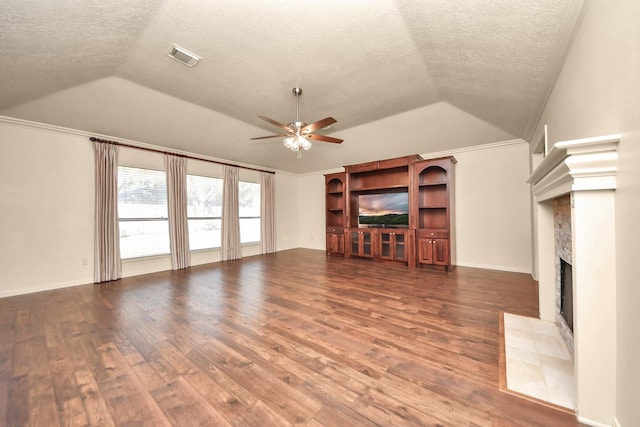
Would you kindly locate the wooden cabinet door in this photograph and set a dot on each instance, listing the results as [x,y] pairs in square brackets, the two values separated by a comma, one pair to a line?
[433,251]
[425,251]
[440,251]
[335,243]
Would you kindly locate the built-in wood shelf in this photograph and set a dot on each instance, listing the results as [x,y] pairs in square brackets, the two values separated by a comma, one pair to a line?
[426,242]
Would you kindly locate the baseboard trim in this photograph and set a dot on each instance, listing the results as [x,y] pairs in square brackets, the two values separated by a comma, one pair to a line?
[494,267]
[592,423]
[43,288]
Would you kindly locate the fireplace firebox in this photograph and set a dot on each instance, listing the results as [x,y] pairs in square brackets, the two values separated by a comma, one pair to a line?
[566,293]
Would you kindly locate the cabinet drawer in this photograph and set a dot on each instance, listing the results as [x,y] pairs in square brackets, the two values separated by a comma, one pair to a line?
[335,229]
[436,234]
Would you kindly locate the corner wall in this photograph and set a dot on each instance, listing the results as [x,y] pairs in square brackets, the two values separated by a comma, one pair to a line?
[493,222]
[598,93]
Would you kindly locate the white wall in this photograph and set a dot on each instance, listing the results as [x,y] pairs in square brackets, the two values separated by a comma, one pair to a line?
[287,211]
[598,93]
[493,222]
[47,208]
[58,251]
[312,228]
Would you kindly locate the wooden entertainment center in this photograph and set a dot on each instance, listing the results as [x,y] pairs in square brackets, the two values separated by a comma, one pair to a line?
[426,237]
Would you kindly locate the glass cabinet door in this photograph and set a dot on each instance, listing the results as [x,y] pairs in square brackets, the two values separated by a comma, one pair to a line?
[386,244]
[355,242]
[366,243]
[400,245]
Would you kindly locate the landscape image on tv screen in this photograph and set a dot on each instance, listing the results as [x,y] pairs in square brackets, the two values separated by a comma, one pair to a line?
[383,210]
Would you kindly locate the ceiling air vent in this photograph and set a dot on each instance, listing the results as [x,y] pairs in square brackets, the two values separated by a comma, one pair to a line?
[183,55]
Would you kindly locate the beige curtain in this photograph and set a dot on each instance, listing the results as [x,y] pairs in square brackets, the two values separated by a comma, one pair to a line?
[267,212]
[176,171]
[107,265]
[230,246]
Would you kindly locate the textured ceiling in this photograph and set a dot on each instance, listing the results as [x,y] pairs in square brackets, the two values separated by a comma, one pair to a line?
[359,61]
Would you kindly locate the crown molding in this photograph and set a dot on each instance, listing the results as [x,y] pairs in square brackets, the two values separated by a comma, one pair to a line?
[480,147]
[132,143]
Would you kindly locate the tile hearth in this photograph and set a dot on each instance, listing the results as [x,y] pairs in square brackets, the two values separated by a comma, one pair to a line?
[538,362]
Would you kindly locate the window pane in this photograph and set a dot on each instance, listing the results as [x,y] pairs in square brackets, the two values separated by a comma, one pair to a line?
[249,230]
[143,238]
[204,233]
[249,199]
[204,200]
[204,196]
[142,195]
[249,210]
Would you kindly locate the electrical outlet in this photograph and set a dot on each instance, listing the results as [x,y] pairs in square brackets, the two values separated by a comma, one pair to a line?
[85,262]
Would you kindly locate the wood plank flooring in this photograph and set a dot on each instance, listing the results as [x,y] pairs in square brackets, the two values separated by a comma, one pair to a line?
[292,338]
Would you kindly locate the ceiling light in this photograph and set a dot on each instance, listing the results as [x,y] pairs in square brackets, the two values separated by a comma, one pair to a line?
[299,133]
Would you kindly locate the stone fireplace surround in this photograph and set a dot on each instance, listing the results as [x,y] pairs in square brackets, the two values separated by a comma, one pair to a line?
[564,252]
[584,169]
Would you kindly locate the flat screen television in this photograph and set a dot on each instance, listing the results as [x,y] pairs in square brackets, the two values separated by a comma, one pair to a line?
[383,210]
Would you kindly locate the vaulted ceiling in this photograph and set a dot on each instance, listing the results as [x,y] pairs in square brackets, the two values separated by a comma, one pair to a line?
[382,68]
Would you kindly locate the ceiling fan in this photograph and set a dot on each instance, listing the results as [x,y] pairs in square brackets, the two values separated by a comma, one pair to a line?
[299,133]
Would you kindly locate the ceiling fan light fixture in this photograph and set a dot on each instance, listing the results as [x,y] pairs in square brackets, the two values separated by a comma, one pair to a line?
[304,142]
[300,133]
[289,143]
[297,143]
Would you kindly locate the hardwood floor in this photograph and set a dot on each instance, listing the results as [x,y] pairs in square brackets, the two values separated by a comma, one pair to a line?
[292,338]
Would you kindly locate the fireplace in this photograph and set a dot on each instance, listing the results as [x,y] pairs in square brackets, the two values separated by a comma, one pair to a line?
[574,190]
[566,293]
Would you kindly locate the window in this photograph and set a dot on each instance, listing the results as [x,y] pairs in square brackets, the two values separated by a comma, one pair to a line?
[204,211]
[142,212]
[249,211]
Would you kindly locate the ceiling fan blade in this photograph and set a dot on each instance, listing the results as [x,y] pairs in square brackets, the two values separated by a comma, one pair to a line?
[270,136]
[323,138]
[319,124]
[273,122]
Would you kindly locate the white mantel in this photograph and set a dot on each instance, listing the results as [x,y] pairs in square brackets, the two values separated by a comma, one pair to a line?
[585,169]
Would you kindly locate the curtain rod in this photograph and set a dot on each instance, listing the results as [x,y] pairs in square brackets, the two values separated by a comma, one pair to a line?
[155,150]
